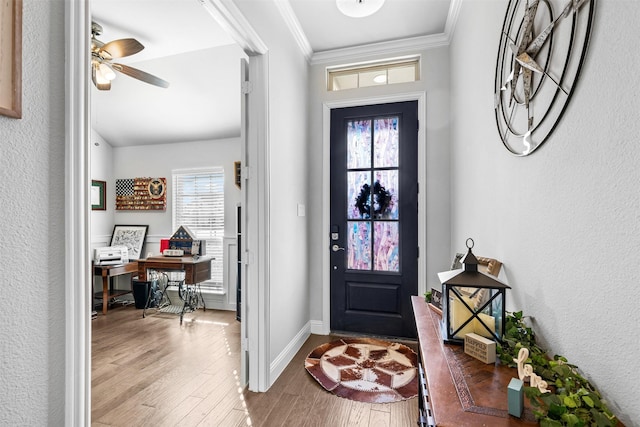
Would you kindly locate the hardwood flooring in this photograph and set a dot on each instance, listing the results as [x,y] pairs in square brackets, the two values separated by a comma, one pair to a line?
[156,372]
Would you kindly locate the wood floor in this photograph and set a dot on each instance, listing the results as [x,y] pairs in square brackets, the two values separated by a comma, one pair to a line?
[156,372]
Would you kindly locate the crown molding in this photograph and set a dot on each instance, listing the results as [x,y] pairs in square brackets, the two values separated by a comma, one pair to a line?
[452,18]
[394,47]
[229,17]
[294,26]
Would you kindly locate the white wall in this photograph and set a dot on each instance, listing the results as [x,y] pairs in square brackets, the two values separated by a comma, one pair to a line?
[32,172]
[433,165]
[565,220]
[102,170]
[288,293]
[158,161]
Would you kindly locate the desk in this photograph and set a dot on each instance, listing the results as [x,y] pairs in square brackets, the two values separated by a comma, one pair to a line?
[195,270]
[462,391]
[107,272]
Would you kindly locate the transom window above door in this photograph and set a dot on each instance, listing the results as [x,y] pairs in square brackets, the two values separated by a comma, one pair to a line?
[373,74]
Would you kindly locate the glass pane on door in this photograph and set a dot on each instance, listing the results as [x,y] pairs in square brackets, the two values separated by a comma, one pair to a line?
[386,142]
[385,194]
[385,246]
[359,144]
[359,245]
[358,195]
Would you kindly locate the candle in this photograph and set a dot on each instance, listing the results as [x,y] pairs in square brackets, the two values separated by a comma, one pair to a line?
[459,314]
[490,321]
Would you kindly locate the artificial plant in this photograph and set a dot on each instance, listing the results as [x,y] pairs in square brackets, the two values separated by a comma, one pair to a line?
[573,400]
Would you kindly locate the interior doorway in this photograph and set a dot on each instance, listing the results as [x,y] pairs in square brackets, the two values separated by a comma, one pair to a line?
[77,252]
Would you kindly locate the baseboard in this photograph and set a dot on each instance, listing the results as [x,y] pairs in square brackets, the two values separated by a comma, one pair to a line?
[286,356]
[318,328]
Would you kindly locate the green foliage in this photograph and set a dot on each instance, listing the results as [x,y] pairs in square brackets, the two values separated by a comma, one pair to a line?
[427,296]
[573,401]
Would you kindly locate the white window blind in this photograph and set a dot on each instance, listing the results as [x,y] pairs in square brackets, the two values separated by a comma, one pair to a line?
[198,204]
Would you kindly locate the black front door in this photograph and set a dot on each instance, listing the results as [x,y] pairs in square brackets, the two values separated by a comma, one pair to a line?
[374,218]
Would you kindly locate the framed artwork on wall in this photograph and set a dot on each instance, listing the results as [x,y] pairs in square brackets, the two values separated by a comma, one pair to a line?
[130,236]
[141,194]
[98,195]
[237,174]
[11,58]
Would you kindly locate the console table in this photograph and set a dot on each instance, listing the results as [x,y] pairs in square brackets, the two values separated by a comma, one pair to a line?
[196,270]
[109,271]
[460,390]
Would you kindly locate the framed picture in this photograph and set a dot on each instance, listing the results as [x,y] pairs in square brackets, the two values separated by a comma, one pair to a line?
[11,58]
[131,236]
[98,195]
[237,174]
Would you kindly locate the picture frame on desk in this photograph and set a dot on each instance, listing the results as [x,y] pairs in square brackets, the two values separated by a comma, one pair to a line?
[98,195]
[11,54]
[130,236]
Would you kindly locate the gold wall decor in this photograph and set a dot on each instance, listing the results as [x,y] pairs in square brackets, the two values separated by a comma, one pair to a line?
[141,194]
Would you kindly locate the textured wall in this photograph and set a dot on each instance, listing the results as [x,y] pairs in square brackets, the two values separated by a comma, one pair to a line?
[564,220]
[32,227]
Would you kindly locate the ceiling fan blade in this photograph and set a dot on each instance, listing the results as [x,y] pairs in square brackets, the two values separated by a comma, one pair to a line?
[121,48]
[140,75]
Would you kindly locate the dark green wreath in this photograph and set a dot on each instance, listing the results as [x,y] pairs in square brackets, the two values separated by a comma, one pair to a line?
[381,200]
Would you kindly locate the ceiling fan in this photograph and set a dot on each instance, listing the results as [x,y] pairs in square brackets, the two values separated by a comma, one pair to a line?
[103,70]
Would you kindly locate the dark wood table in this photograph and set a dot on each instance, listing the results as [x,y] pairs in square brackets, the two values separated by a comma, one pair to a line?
[109,271]
[196,270]
[462,391]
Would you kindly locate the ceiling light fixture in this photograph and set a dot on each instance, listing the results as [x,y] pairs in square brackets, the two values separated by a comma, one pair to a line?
[359,8]
[380,78]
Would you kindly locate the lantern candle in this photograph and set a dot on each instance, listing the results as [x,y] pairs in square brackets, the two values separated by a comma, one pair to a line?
[488,320]
[474,302]
[459,314]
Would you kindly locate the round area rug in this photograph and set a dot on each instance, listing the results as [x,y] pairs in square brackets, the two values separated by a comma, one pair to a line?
[365,369]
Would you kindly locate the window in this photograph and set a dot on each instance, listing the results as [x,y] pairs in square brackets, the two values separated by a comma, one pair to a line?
[373,74]
[198,204]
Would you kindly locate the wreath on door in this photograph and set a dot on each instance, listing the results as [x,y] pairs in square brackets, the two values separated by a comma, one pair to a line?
[381,200]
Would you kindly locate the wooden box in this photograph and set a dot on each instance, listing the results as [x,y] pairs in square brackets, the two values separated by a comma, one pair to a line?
[480,347]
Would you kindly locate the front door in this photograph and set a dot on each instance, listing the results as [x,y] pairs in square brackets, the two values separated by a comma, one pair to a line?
[374,218]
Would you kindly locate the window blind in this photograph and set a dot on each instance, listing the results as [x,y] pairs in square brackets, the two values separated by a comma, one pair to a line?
[198,204]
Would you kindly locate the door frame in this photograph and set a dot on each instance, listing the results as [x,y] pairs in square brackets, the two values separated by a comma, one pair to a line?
[77,213]
[421,97]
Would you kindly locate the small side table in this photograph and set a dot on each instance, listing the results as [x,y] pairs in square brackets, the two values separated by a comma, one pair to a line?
[109,271]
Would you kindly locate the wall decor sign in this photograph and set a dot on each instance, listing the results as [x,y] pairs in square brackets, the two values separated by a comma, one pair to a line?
[141,194]
[11,58]
[98,195]
[130,236]
[543,45]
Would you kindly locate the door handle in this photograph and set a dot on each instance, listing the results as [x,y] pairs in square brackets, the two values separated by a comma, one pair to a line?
[336,248]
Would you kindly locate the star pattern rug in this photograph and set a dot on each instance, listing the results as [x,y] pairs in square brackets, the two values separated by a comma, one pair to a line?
[365,369]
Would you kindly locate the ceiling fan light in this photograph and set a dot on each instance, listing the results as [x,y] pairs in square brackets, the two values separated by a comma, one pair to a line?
[107,72]
[359,8]
[98,79]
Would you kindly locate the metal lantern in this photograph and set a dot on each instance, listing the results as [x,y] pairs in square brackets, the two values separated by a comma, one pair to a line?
[472,302]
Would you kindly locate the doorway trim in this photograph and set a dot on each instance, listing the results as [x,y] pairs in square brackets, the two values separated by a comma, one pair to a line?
[421,97]
[77,214]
